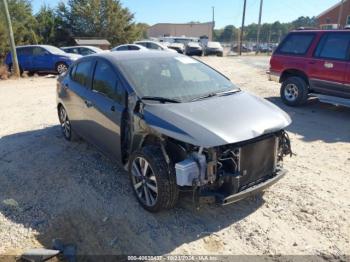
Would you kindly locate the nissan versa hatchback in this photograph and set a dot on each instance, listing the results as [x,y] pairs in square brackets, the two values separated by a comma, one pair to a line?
[175,124]
[313,63]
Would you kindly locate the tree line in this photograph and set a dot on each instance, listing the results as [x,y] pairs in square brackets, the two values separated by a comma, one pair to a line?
[76,18]
[269,33]
[106,19]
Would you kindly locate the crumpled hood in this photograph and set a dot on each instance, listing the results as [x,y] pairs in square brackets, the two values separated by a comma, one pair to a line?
[218,120]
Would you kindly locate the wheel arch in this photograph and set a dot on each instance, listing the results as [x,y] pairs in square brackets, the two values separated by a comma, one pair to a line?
[294,72]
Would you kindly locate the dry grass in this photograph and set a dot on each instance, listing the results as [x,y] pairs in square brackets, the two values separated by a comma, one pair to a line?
[4,74]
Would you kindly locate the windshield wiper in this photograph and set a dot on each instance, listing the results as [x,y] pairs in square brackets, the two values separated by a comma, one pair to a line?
[161,99]
[222,93]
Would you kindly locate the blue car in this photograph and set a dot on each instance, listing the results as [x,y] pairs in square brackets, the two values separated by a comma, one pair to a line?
[42,58]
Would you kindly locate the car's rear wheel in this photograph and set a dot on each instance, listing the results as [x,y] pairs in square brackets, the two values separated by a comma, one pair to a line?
[61,67]
[66,126]
[154,185]
[294,91]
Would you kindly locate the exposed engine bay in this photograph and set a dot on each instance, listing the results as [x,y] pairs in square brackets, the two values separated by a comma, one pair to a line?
[229,169]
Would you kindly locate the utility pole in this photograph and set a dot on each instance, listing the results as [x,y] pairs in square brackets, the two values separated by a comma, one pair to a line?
[213,22]
[340,14]
[259,28]
[242,28]
[12,41]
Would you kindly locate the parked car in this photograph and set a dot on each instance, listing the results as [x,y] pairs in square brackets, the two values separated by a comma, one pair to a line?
[82,50]
[178,47]
[129,47]
[45,58]
[245,49]
[174,123]
[213,48]
[193,48]
[313,63]
[154,45]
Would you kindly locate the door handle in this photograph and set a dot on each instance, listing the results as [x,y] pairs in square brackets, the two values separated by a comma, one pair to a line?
[88,103]
[328,65]
[113,108]
[312,62]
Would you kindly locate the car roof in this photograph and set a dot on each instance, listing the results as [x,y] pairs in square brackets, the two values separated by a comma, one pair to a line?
[22,46]
[115,57]
[321,31]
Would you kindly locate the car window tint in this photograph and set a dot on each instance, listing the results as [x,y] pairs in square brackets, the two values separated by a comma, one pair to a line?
[72,50]
[122,48]
[106,82]
[296,44]
[153,46]
[39,51]
[333,46]
[143,44]
[132,47]
[85,51]
[82,73]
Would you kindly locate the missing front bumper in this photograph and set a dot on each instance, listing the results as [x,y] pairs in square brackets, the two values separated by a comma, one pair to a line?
[210,197]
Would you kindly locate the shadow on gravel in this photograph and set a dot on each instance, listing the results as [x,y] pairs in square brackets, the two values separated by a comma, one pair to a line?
[318,121]
[70,191]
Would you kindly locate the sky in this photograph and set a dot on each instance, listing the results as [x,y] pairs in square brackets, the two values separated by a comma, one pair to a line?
[226,11]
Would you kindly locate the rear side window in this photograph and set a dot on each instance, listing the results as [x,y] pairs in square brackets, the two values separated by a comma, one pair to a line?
[132,47]
[106,82]
[81,74]
[296,44]
[123,48]
[333,46]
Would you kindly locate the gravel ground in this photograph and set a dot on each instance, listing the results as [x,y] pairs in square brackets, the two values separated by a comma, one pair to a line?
[50,188]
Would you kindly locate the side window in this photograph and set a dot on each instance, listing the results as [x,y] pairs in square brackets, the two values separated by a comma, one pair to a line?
[132,47]
[334,46]
[81,74]
[85,51]
[143,44]
[122,48]
[296,44]
[153,46]
[39,51]
[106,82]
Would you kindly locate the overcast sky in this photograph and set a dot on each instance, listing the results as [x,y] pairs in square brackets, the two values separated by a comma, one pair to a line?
[226,11]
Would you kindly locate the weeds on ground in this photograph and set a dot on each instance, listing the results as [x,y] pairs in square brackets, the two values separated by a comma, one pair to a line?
[4,74]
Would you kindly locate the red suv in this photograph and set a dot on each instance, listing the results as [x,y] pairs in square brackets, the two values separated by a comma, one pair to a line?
[313,63]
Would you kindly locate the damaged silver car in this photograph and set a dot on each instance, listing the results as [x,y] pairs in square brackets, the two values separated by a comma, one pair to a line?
[175,124]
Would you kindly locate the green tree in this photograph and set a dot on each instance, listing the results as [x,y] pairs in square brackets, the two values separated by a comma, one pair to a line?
[46,25]
[23,24]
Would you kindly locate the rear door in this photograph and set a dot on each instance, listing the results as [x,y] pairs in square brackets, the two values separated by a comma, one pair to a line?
[328,66]
[77,85]
[107,100]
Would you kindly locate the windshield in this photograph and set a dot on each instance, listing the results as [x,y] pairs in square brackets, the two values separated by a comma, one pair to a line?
[54,50]
[181,78]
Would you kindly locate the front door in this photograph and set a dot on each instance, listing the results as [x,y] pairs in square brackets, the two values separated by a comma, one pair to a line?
[42,59]
[105,114]
[327,69]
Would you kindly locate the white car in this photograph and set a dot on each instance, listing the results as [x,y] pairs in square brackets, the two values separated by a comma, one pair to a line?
[83,50]
[129,47]
[154,45]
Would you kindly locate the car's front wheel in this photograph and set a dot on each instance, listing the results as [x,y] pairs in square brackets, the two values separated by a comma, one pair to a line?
[65,123]
[294,91]
[152,180]
[61,67]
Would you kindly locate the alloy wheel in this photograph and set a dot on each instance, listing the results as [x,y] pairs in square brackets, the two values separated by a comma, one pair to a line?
[144,181]
[65,123]
[291,92]
[61,68]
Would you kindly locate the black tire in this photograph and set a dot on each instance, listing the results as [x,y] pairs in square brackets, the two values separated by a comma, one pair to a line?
[65,124]
[167,190]
[61,67]
[10,69]
[294,91]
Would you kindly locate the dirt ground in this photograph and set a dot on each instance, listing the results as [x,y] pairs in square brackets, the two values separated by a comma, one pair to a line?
[50,188]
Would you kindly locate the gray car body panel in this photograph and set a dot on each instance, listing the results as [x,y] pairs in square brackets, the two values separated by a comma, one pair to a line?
[218,120]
